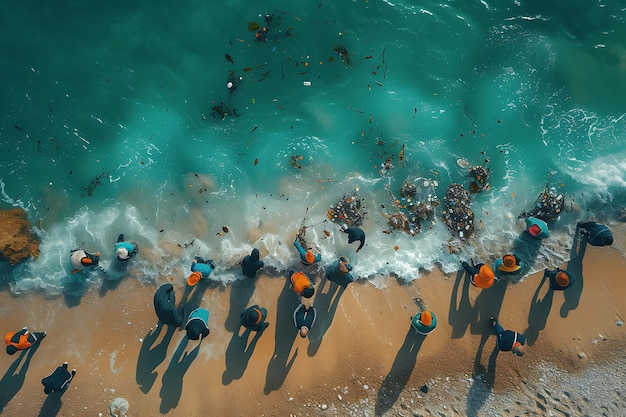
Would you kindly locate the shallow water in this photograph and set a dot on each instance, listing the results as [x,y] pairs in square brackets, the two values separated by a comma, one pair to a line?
[107,126]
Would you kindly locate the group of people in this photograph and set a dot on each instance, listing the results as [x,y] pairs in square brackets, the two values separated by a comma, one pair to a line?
[483,276]
[22,340]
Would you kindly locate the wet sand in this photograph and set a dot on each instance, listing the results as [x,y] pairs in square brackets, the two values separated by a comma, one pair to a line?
[362,358]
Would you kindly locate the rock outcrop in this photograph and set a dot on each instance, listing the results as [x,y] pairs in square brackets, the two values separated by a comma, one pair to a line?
[17,240]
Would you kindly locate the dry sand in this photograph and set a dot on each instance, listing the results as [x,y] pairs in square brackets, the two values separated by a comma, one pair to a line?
[362,358]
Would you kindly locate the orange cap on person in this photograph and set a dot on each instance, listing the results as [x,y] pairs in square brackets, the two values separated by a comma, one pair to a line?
[193,278]
[508,261]
[562,279]
[309,257]
[484,278]
[426,318]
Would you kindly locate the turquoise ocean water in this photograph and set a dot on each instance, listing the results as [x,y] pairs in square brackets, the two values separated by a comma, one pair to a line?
[107,127]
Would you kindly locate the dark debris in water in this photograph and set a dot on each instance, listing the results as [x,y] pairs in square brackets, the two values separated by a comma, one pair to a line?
[548,206]
[457,214]
[480,175]
[349,210]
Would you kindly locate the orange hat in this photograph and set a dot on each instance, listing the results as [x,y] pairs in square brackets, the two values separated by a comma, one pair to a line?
[484,278]
[309,257]
[508,261]
[193,278]
[86,261]
[342,269]
[562,279]
[534,230]
[426,318]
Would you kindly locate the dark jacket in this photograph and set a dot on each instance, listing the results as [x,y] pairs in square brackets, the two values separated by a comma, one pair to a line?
[253,318]
[507,339]
[58,380]
[165,306]
[335,274]
[597,234]
[354,234]
[304,317]
[251,264]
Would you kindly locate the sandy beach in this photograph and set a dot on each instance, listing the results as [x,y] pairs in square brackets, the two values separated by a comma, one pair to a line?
[362,357]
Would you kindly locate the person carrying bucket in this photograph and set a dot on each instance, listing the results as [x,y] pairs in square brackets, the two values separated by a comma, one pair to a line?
[424,322]
[481,276]
[200,269]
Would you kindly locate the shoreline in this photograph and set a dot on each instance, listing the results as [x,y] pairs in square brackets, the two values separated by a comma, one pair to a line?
[361,355]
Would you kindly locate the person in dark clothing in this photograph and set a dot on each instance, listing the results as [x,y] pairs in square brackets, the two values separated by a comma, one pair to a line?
[251,264]
[481,275]
[339,272]
[354,234]
[165,306]
[596,234]
[198,324]
[559,278]
[508,340]
[253,318]
[58,380]
[304,318]
[22,340]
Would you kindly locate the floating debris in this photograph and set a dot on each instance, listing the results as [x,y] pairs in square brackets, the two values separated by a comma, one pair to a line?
[349,210]
[295,160]
[457,214]
[342,51]
[418,203]
[462,162]
[480,176]
[548,206]
[408,190]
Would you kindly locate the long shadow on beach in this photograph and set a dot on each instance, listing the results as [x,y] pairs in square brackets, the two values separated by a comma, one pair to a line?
[240,294]
[538,312]
[150,357]
[238,354]
[52,405]
[13,381]
[114,277]
[482,381]
[192,297]
[280,364]
[325,307]
[461,313]
[574,267]
[172,387]
[400,372]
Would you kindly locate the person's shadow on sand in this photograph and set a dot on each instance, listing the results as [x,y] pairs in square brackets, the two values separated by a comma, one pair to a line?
[483,379]
[400,372]
[538,312]
[12,381]
[238,354]
[461,313]
[325,306]
[280,364]
[240,294]
[527,248]
[52,405]
[192,297]
[150,357]
[172,384]
[574,267]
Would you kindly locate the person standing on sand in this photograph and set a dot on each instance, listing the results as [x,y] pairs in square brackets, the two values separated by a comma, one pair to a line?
[165,306]
[508,340]
[596,234]
[125,250]
[22,340]
[58,380]
[559,278]
[253,318]
[252,263]
[354,234]
[339,272]
[301,284]
[425,322]
[304,318]
[198,324]
[481,276]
